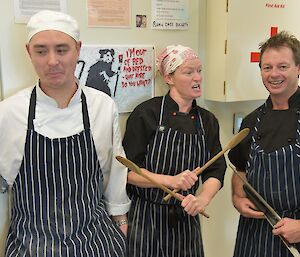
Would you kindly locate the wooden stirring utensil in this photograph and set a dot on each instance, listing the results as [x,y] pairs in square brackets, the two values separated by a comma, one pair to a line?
[232,143]
[132,166]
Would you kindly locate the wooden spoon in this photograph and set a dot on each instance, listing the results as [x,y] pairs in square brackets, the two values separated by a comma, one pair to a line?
[133,167]
[232,143]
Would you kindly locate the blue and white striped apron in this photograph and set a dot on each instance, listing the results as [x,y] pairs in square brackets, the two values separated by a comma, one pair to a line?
[157,228]
[276,176]
[58,208]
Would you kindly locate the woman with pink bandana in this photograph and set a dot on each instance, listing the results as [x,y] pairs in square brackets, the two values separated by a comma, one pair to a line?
[168,137]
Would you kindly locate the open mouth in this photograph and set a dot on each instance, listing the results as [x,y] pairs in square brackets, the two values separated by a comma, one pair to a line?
[276,83]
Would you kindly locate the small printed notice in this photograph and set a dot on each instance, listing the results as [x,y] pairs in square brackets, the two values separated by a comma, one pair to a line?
[108,13]
[170,14]
[24,9]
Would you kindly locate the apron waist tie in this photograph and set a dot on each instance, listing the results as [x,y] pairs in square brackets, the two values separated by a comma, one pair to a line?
[175,211]
[144,199]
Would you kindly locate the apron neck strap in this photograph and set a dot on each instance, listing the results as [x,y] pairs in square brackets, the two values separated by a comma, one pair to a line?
[32,105]
[85,112]
[162,110]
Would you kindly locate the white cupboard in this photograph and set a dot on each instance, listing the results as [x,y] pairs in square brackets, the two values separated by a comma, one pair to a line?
[234,30]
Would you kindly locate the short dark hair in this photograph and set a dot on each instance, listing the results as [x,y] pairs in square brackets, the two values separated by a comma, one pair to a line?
[282,39]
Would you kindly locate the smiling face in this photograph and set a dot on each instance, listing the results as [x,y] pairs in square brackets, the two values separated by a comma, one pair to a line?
[185,82]
[54,56]
[279,72]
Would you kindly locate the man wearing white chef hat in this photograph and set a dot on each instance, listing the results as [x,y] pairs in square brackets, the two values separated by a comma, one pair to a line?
[69,196]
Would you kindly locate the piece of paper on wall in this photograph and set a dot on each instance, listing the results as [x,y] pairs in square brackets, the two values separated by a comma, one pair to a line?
[170,14]
[109,13]
[126,73]
[24,9]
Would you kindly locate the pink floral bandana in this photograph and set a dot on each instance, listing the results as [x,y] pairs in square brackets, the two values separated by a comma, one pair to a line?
[172,57]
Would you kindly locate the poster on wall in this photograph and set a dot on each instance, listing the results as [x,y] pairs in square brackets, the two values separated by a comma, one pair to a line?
[170,14]
[24,9]
[109,13]
[126,73]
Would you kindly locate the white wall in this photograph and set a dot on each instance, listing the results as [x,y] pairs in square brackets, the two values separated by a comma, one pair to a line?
[219,230]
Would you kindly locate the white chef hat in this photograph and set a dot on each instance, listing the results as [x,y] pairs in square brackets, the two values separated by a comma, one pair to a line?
[52,20]
[172,57]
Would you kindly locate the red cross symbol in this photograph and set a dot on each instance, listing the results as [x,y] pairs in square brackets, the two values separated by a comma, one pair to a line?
[254,56]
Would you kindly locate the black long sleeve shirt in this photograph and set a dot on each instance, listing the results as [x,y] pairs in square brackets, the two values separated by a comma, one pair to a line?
[277,129]
[144,120]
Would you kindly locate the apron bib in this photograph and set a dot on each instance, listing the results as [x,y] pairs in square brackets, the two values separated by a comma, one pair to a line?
[158,228]
[276,176]
[58,208]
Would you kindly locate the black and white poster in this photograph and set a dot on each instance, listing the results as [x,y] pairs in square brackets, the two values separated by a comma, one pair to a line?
[126,73]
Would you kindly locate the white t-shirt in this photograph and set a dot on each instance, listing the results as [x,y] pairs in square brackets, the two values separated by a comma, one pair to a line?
[54,122]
